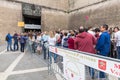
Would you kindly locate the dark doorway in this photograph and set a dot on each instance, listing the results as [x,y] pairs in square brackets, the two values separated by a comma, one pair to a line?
[32,20]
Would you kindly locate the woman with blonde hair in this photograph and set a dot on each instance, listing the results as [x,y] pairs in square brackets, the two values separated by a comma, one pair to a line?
[44,40]
[52,42]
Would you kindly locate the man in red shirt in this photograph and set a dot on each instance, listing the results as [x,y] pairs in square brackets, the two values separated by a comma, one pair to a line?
[84,41]
[71,40]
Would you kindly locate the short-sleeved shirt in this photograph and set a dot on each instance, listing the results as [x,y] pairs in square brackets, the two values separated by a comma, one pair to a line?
[117,38]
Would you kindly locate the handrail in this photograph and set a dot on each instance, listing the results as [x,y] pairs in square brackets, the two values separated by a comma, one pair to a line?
[90,54]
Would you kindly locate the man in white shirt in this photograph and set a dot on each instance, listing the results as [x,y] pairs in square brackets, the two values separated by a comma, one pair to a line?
[90,30]
[117,40]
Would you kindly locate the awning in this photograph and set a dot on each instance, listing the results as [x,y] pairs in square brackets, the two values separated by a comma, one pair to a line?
[32,26]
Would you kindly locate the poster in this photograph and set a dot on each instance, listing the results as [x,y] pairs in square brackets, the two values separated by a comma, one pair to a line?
[73,70]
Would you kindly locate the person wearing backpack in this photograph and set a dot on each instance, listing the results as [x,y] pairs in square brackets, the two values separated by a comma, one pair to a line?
[45,44]
[9,42]
[65,40]
[22,42]
[58,38]
[15,38]
[71,40]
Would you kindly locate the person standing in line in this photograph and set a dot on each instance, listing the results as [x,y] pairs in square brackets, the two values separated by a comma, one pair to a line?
[38,37]
[117,41]
[103,46]
[26,39]
[85,42]
[15,37]
[58,38]
[22,42]
[65,40]
[71,40]
[112,53]
[9,42]
[52,42]
[45,44]
[38,41]
[97,33]
[90,30]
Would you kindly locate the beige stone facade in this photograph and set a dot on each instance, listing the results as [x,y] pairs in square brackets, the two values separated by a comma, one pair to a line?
[52,15]
[75,4]
[52,20]
[10,14]
[57,4]
[98,14]
[63,14]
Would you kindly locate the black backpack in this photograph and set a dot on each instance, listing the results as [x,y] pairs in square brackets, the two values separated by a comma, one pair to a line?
[6,38]
[65,43]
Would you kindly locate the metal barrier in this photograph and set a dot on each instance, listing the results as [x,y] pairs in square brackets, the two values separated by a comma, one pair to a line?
[75,65]
[33,45]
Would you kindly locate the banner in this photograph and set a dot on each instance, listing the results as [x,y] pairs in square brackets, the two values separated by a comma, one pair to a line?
[73,70]
[107,65]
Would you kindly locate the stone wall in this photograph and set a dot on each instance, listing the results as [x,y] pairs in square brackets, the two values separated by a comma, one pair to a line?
[107,12]
[10,14]
[92,15]
[57,4]
[52,15]
[75,4]
[52,20]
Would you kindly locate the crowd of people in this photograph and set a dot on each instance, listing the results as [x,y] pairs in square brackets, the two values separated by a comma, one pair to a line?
[103,41]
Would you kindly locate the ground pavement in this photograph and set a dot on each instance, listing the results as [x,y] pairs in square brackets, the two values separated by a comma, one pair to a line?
[26,66]
[23,66]
[2,47]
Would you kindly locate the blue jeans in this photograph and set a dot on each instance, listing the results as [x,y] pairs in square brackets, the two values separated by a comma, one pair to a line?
[58,44]
[118,52]
[55,58]
[51,54]
[16,46]
[55,55]
[45,51]
[9,45]
[65,46]
[22,47]
[92,72]
[102,75]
